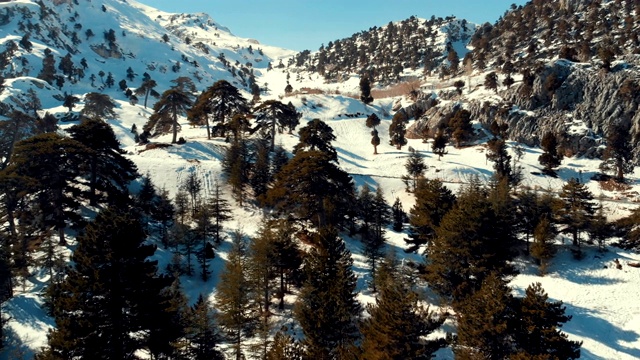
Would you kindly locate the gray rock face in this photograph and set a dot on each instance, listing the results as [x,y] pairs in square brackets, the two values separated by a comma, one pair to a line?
[577,101]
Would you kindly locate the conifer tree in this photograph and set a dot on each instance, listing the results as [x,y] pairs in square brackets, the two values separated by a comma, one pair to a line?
[538,327]
[551,158]
[327,309]
[98,106]
[273,114]
[433,201]
[287,256]
[617,157]
[202,333]
[17,127]
[415,166]
[375,141]
[317,135]
[542,249]
[470,243]
[461,128]
[439,144]
[497,153]
[284,347]
[365,90]
[233,297]
[109,171]
[147,88]
[484,322]
[221,102]
[235,165]
[312,187]
[203,230]
[163,212]
[576,210]
[398,323]
[220,212]
[106,305]
[172,103]
[192,185]
[397,130]
[261,175]
[398,215]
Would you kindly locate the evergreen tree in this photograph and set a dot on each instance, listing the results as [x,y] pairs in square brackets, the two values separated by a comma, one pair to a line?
[551,158]
[397,130]
[202,334]
[538,328]
[415,168]
[163,212]
[233,298]
[235,165]
[17,127]
[172,103]
[470,243]
[372,121]
[98,106]
[220,212]
[48,72]
[261,174]
[106,305]
[365,90]
[461,128]
[55,164]
[221,101]
[375,141]
[202,232]
[497,153]
[542,249]
[312,187]
[374,240]
[327,309]
[485,320]
[284,347]
[398,323]
[617,157]
[491,81]
[398,215]
[317,135]
[576,210]
[109,171]
[147,88]
[287,256]
[70,101]
[192,185]
[433,202]
[273,114]
[439,144]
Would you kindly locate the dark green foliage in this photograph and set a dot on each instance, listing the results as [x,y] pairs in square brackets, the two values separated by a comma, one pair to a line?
[312,187]
[543,249]
[617,157]
[327,309]
[372,121]
[273,114]
[55,164]
[106,306]
[17,127]
[261,174]
[235,165]
[317,135]
[415,166]
[98,106]
[109,172]
[365,90]
[192,185]
[70,101]
[220,212]
[202,334]
[551,158]
[471,242]
[163,212]
[48,72]
[491,81]
[538,327]
[440,143]
[398,215]
[147,88]
[497,153]
[461,128]
[576,210]
[484,322]
[433,201]
[375,141]
[172,103]
[397,130]
[398,322]
[221,102]
[233,297]
[373,236]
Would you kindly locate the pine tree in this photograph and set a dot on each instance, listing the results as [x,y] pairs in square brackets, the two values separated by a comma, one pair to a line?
[98,106]
[287,256]
[235,165]
[542,249]
[107,303]
[398,323]
[576,210]
[192,185]
[470,243]
[484,322]
[220,212]
[202,333]
[316,135]
[491,81]
[617,156]
[261,174]
[163,212]
[109,171]
[312,187]
[461,128]
[147,88]
[374,242]
[397,130]
[365,90]
[221,101]
[375,141]
[273,114]
[497,153]
[284,347]
[439,144]
[538,327]
[415,166]
[550,158]
[17,127]
[233,297]
[327,309]
[398,215]
[433,201]
[203,230]
[172,103]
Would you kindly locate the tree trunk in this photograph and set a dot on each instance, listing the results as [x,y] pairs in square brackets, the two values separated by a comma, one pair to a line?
[375,149]
[175,125]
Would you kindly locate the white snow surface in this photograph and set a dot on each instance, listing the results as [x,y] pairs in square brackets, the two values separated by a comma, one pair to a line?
[602,299]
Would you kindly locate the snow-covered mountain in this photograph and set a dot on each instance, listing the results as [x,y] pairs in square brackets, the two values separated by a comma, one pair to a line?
[601,298]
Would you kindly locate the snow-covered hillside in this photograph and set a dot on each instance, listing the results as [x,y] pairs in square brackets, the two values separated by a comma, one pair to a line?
[601,298]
